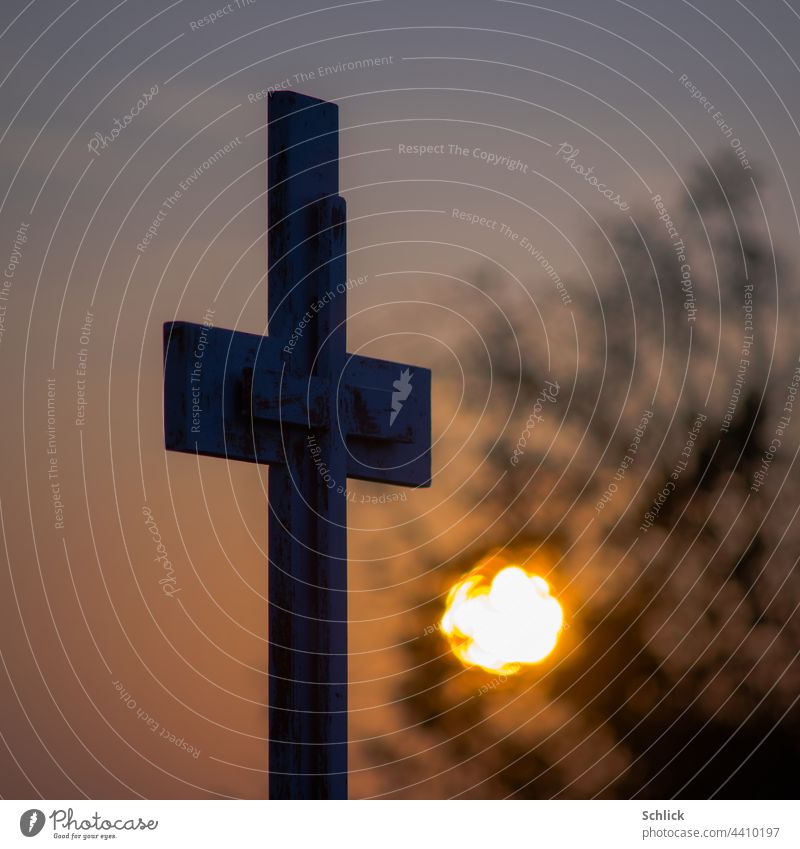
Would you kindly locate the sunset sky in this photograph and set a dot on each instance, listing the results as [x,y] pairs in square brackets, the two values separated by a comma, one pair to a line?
[469,130]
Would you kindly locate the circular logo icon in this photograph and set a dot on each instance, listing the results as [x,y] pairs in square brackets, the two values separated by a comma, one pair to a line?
[31,822]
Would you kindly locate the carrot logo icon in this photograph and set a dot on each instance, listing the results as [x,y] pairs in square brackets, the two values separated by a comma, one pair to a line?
[31,822]
[403,389]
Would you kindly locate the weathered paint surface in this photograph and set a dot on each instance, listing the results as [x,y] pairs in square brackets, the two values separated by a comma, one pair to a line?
[298,401]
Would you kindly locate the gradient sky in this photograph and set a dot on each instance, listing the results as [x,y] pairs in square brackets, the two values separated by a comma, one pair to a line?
[84,620]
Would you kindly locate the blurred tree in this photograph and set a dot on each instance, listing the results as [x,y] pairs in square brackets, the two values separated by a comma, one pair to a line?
[677,672]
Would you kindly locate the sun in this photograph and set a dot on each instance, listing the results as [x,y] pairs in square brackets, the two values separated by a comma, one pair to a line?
[501,619]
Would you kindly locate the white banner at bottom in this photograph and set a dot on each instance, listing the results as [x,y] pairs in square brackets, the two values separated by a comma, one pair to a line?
[379,824]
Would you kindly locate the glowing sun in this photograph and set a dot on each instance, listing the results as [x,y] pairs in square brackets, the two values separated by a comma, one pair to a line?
[501,621]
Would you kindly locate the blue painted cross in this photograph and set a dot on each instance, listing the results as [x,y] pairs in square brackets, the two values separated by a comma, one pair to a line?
[296,400]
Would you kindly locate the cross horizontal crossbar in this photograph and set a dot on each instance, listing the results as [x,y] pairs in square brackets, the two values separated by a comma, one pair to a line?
[229,394]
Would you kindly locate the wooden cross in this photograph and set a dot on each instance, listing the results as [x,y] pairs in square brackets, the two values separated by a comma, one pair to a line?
[296,400]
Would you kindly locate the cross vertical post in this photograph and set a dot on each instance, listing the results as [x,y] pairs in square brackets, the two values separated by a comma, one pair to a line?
[295,400]
[307,522]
